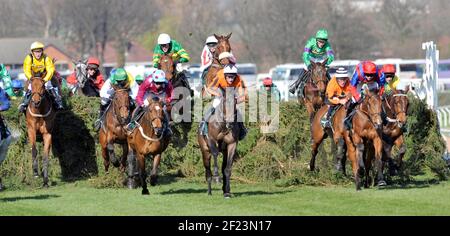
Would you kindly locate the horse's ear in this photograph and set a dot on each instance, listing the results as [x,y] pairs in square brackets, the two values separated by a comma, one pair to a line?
[324,63]
[217,36]
[407,89]
[228,36]
[312,62]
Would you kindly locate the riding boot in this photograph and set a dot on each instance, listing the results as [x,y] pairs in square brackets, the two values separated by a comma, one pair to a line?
[133,121]
[98,122]
[293,87]
[3,130]
[26,100]
[168,130]
[57,98]
[328,77]
[204,122]
[242,131]
[325,121]
[347,120]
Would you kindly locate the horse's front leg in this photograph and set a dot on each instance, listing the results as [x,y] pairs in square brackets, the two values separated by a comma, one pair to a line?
[32,140]
[131,159]
[45,161]
[123,160]
[142,174]
[215,153]
[112,155]
[401,152]
[226,168]
[154,172]
[378,146]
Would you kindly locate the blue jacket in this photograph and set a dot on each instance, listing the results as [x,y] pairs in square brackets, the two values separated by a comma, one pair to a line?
[4,101]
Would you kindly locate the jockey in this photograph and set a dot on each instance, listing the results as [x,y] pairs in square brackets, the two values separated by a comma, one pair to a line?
[5,78]
[4,105]
[92,72]
[155,85]
[366,72]
[4,132]
[268,88]
[207,56]
[166,46]
[388,72]
[226,78]
[16,90]
[39,63]
[139,79]
[338,92]
[317,48]
[121,79]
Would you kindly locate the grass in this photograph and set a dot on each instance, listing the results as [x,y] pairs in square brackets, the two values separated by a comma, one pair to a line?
[187,197]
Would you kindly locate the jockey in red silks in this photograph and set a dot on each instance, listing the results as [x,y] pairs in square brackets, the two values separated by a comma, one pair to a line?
[155,85]
[366,72]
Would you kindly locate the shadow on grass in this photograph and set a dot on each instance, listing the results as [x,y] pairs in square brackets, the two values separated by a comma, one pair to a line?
[218,190]
[410,184]
[37,197]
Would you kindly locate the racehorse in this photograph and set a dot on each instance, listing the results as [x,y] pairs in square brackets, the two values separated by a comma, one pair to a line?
[315,88]
[223,133]
[148,138]
[336,132]
[177,79]
[223,45]
[6,138]
[395,107]
[117,116]
[364,141]
[40,117]
[84,85]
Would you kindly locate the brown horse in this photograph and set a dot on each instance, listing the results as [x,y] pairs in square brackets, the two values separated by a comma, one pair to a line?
[337,130]
[148,138]
[365,138]
[395,107]
[113,131]
[315,88]
[223,133]
[40,116]
[223,45]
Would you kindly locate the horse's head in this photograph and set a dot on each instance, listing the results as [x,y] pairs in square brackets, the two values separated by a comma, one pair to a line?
[121,105]
[227,108]
[398,102]
[167,65]
[37,90]
[319,76]
[223,45]
[80,72]
[155,115]
[371,105]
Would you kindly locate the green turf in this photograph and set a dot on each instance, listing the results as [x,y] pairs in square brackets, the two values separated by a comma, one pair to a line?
[187,197]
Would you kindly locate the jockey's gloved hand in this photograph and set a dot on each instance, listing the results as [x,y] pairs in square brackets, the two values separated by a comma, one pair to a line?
[216,102]
[146,103]
[179,67]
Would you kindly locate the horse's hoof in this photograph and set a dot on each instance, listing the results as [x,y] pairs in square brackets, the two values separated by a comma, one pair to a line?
[382,183]
[153,180]
[131,184]
[227,195]
[145,192]
[116,163]
[45,185]
[209,193]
